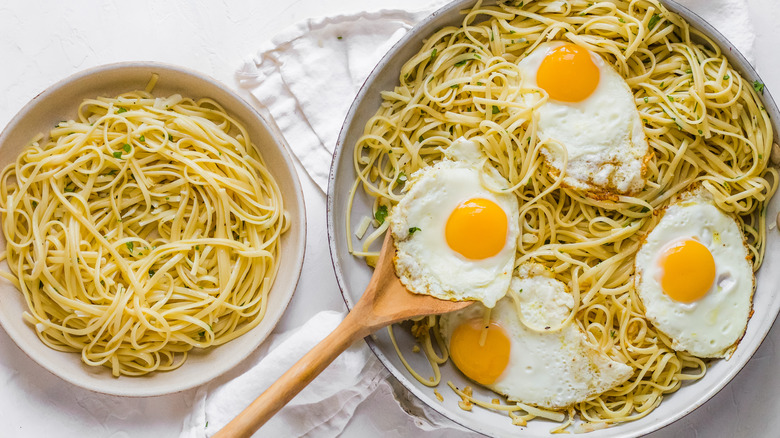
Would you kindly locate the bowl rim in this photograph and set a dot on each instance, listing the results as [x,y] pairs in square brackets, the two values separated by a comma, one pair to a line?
[736,59]
[295,197]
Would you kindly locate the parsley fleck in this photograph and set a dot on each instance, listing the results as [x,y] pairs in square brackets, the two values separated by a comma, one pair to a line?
[459,63]
[151,273]
[621,20]
[121,110]
[69,189]
[689,71]
[401,177]
[118,154]
[760,156]
[726,78]
[420,140]
[455,86]
[612,333]
[413,230]
[170,137]
[477,56]
[142,138]
[339,37]
[701,132]
[434,53]
[511,31]
[129,246]
[35,204]
[671,98]
[645,209]
[127,148]
[480,83]
[381,214]
[653,21]
[197,247]
[646,99]
[491,35]
[758,86]
[495,109]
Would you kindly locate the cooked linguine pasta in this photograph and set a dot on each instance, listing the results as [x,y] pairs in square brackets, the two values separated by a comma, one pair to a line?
[141,230]
[705,124]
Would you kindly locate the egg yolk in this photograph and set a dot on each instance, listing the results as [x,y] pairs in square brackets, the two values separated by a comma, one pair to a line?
[481,360]
[568,74]
[477,229]
[687,270]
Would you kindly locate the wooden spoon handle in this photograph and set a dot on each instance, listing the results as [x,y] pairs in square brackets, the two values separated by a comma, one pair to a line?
[295,379]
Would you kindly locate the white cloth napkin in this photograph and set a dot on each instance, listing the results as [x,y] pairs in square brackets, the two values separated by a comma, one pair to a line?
[322,409]
[306,78]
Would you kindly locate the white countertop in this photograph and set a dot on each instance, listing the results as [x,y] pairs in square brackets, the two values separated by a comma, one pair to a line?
[45,41]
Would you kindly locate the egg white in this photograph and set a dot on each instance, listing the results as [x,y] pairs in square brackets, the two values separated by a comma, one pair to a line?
[550,365]
[602,136]
[711,326]
[424,261]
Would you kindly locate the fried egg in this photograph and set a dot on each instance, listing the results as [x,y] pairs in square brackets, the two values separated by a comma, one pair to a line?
[590,124]
[527,348]
[455,234]
[695,278]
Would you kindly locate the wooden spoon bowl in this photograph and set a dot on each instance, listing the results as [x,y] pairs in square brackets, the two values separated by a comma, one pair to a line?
[385,301]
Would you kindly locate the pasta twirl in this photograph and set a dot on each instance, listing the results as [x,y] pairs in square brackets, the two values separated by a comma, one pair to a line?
[141,230]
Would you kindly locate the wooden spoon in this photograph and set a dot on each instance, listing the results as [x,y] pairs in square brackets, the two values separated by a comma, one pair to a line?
[384,302]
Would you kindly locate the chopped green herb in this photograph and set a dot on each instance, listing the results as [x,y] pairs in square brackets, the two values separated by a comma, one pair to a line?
[339,37]
[582,14]
[401,177]
[420,140]
[662,84]
[151,273]
[459,63]
[69,189]
[701,132]
[381,214]
[491,35]
[35,204]
[621,20]
[202,333]
[127,148]
[413,230]
[170,137]
[455,86]
[671,98]
[118,154]
[653,21]
[689,71]
[434,53]
[726,78]
[646,99]
[129,246]
[645,209]
[612,333]
[760,156]
[758,86]
[477,56]
[480,83]
[142,139]
[511,31]
[121,110]
[495,109]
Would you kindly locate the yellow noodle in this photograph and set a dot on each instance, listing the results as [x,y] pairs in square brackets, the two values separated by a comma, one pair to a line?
[705,124]
[141,230]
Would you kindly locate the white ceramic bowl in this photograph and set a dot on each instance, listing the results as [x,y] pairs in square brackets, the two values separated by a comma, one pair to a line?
[60,102]
[353,274]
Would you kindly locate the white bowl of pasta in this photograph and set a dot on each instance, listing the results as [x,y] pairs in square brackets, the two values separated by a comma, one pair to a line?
[153,231]
[431,88]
